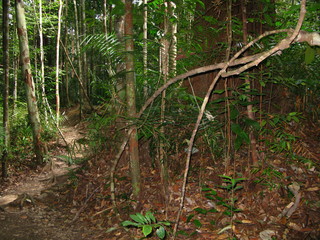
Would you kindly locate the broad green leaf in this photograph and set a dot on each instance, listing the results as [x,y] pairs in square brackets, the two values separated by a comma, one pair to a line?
[129,223]
[268,19]
[139,218]
[181,232]
[201,210]
[197,223]
[189,218]
[161,232]
[237,143]
[165,223]
[310,54]
[149,215]
[213,210]
[236,128]
[143,218]
[206,189]
[219,91]
[146,230]
[234,113]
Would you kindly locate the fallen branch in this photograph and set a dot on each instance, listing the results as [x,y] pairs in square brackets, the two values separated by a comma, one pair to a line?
[291,207]
[84,205]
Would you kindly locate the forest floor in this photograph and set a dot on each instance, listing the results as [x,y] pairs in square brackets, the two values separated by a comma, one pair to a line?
[280,200]
[35,205]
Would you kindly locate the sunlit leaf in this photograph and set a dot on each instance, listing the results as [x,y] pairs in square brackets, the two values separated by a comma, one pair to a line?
[146,230]
[161,232]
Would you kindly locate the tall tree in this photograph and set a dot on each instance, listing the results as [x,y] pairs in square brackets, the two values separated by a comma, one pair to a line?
[131,99]
[84,78]
[57,63]
[78,53]
[44,99]
[168,53]
[28,80]
[253,141]
[42,81]
[6,61]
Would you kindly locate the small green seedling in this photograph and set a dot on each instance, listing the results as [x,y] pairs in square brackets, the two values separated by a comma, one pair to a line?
[148,224]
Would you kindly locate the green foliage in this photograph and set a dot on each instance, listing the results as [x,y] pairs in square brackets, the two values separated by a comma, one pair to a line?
[232,185]
[148,224]
[275,127]
[21,138]
[268,177]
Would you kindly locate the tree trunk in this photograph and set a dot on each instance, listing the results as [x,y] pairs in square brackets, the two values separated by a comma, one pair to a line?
[253,142]
[6,62]
[78,53]
[29,83]
[145,47]
[84,76]
[57,64]
[42,81]
[66,64]
[227,103]
[44,99]
[131,100]
[105,27]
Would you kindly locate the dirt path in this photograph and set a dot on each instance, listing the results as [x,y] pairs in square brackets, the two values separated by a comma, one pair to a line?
[34,208]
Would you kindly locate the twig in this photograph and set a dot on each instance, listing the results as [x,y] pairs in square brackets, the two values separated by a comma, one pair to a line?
[84,205]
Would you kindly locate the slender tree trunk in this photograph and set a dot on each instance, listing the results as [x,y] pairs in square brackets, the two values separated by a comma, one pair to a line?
[15,84]
[77,40]
[29,83]
[173,28]
[57,63]
[105,27]
[120,91]
[84,77]
[6,67]
[228,52]
[253,142]
[66,65]
[131,99]
[164,69]
[44,99]
[145,46]
[168,54]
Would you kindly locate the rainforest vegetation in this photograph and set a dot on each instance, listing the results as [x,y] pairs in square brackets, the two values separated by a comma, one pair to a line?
[182,119]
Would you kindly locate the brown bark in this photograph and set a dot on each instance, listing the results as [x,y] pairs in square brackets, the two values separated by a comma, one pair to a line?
[57,63]
[131,100]
[253,141]
[6,62]
[29,84]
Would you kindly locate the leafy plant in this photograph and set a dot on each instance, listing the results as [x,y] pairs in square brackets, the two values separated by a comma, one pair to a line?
[148,224]
[268,177]
[280,140]
[232,185]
